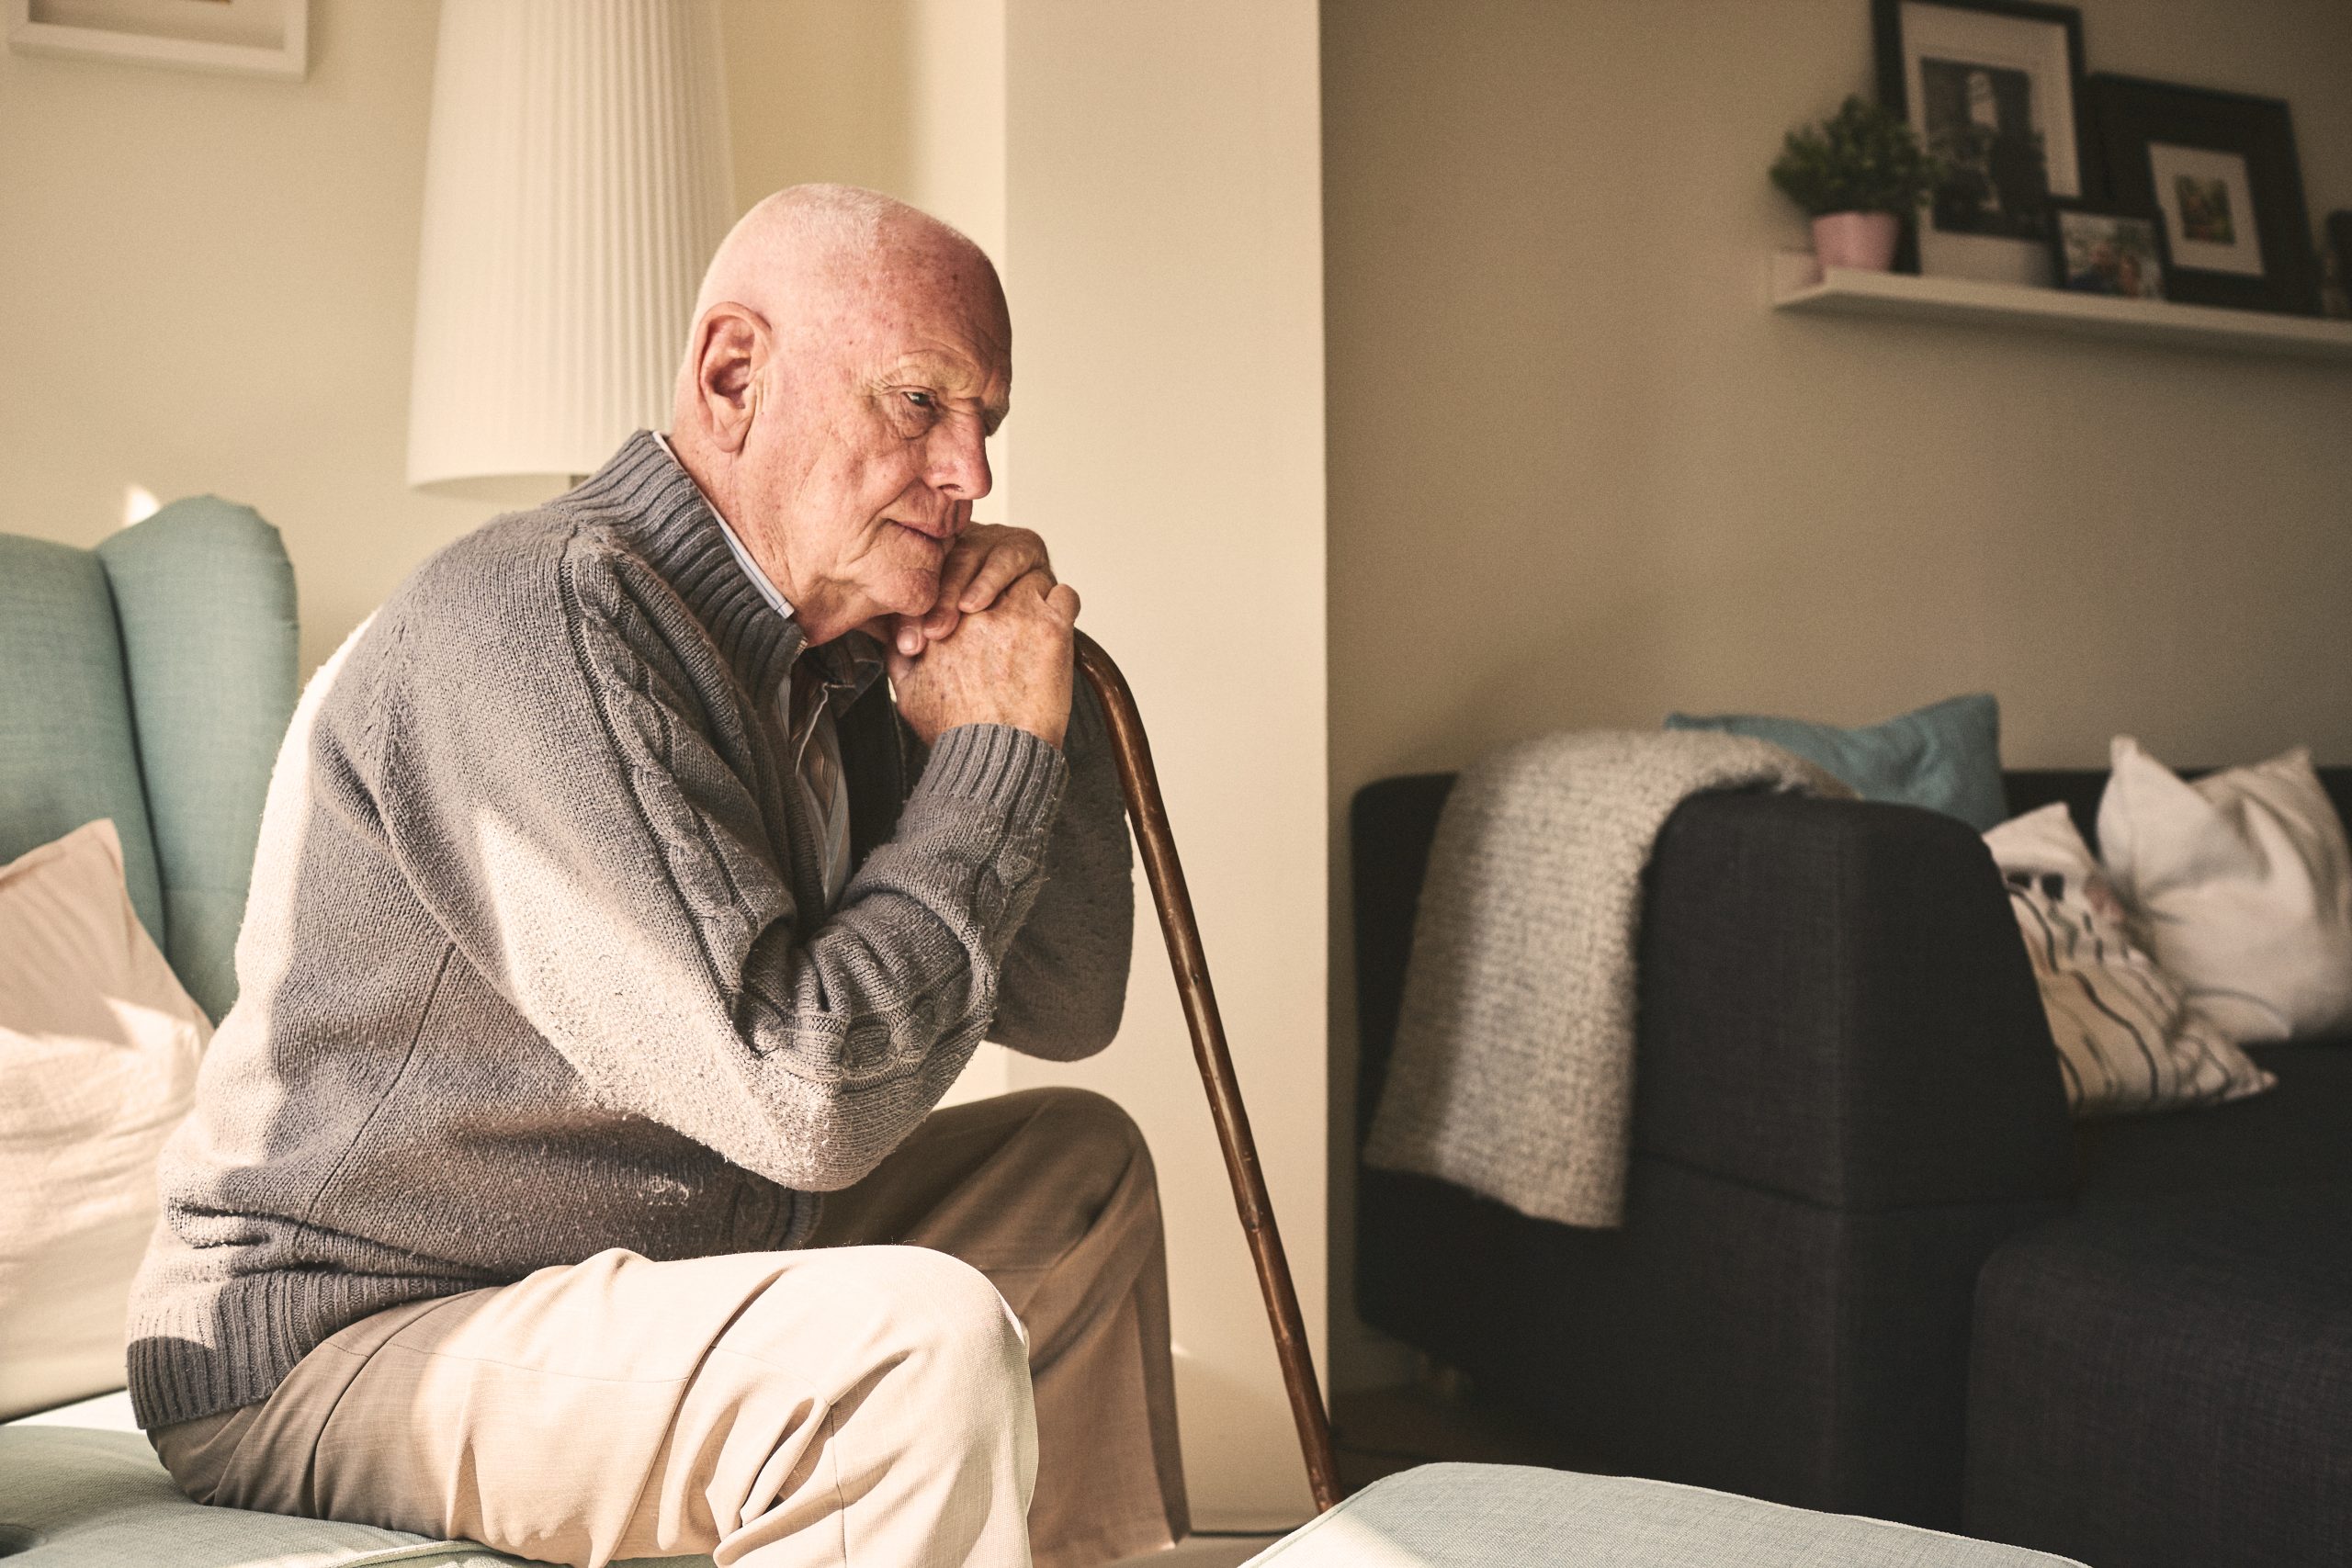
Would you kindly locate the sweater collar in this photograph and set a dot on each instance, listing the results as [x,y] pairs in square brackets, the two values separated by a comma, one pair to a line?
[648,496]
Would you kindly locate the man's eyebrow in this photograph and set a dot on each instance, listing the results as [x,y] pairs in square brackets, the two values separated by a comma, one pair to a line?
[940,370]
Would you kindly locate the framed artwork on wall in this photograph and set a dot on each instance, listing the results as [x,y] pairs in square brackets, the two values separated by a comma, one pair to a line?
[2220,168]
[1993,89]
[263,37]
[2098,249]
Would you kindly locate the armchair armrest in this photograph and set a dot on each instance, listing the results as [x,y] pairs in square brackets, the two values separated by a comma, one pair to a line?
[1835,1006]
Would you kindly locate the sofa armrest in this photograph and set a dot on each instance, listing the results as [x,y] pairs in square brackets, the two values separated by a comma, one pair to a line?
[1835,1007]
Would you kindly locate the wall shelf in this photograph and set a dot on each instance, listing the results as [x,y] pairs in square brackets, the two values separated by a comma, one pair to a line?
[1799,285]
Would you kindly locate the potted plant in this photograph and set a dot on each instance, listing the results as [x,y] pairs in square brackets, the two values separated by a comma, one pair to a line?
[1857,174]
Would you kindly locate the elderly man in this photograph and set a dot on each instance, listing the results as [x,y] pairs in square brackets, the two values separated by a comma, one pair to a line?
[610,907]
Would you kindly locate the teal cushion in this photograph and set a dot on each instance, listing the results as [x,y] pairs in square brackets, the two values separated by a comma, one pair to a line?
[206,599]
[67,751]
[1946,758]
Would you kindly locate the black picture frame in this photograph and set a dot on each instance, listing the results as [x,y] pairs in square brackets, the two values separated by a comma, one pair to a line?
[2067,217]
[2020,251]
[2161,143]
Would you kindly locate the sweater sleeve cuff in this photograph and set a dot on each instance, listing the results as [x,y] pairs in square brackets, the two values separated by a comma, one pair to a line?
[1001,767]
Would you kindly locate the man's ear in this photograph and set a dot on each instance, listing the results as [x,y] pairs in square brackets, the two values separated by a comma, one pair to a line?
[730,359]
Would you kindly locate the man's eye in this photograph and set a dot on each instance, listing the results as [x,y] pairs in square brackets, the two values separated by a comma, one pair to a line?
[920,400]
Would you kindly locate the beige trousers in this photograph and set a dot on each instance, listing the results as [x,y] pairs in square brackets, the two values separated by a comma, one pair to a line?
[983,1318]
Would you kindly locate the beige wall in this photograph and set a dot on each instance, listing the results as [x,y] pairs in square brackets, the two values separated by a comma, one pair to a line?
[899,95]
[211,283]
[1579,475]
[1163,242]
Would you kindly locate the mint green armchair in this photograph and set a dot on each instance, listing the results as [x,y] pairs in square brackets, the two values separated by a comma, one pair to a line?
[150,680]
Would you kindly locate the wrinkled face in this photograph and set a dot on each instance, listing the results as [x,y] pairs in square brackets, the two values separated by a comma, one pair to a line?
[869,443]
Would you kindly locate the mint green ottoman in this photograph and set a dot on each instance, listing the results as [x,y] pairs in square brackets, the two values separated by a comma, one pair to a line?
[1506,1516]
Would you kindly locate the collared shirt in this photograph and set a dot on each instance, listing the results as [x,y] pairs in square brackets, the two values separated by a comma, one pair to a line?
[816,688]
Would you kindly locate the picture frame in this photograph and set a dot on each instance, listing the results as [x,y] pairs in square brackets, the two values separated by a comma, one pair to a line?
[2098,249]
[261,37]
[1993,89]
[2222,169]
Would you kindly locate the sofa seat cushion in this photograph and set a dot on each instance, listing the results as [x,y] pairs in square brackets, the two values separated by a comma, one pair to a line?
[72,1497]
[2298,1133]
[1506,1516]
[2170,1382]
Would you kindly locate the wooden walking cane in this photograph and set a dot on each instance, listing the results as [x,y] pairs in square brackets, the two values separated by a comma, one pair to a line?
[1141,784]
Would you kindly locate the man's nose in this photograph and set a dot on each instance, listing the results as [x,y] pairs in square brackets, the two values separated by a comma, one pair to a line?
[959,460]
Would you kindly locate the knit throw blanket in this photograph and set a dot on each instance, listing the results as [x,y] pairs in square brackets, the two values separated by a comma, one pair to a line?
[1513,1072]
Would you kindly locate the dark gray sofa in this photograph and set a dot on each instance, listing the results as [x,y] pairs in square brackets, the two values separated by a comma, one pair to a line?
[1846,1103]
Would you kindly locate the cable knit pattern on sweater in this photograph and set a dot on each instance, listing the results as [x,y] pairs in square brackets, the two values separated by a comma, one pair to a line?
[536,961]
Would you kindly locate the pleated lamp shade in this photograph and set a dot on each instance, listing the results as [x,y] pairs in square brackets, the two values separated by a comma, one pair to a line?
[576,183]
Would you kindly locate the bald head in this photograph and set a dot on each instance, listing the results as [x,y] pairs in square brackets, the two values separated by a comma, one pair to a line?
[797,253]
[849,356]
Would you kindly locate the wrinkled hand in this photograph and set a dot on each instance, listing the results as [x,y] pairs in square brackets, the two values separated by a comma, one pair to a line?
[1007,664]
[986,560]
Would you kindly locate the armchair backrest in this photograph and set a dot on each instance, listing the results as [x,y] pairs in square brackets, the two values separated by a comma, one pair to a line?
[150,680]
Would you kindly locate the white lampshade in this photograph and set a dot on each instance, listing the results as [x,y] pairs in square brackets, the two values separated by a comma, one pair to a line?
[576,183]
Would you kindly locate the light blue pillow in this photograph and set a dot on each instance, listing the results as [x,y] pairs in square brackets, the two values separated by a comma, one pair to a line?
[1946,757]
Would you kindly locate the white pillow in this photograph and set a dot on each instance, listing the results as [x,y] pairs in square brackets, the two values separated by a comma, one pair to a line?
[2240,885]
[98,1051]
[2126,1040]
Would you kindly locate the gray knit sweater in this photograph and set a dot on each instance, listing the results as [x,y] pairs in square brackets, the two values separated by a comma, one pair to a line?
[526,972]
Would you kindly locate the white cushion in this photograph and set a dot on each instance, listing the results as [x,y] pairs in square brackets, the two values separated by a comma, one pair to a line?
[99,1052]
[2241,886]
[1505,1516]
[2127,1041]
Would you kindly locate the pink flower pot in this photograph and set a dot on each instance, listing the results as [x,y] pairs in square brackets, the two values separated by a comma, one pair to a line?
[1859,242]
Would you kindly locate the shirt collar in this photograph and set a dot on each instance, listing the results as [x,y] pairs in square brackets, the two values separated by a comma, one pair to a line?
[849,664]
[734,541]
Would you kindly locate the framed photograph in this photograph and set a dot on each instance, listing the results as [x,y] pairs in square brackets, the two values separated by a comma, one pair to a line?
[264,38]
[1993,89]
[2095,250]
[2220,169]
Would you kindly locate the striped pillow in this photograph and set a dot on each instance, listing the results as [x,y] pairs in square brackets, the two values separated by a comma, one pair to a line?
[2127,1041]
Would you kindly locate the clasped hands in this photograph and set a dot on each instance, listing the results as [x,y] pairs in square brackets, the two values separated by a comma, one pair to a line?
[995,645]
